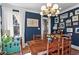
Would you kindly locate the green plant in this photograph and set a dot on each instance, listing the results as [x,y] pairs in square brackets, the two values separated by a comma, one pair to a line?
[6,39]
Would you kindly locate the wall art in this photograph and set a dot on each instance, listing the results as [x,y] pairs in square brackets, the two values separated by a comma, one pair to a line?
[77,30]
[68,24]
[57,20]
[32,22]
[75,23]
[76,11]
[65,15]
[61,25]
[75,18]
[55,26]
[69,29]
[68,21]
[61,20]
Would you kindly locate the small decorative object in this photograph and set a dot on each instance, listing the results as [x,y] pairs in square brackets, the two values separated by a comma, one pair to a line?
[69,34]
[75,23]
[56,20]
[61,20]
[69,29]
[61,25]
[64,16]
[68,24]
[77,12]
[75,18]
[77,30]
[32,22]
[71,14]
[49,38]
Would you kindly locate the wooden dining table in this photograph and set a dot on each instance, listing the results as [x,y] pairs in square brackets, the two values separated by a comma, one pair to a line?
[38,46]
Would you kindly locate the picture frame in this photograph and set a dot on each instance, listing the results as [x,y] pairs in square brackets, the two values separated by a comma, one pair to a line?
[77,30]
[32,22]
[65,15]
[68,21]
[68,24]
[61,20]
[55,26]
[62,25]
[77,12]
[69,29]
[75,18]
[75,23]
[57,20]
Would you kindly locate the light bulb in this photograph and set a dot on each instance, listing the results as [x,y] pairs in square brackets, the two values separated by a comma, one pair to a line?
[55,6]
[49,4]
[49,15]
[52,10]
[57,12]
[43,7]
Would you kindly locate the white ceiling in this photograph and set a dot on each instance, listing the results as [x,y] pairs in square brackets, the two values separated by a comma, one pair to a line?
[37,6]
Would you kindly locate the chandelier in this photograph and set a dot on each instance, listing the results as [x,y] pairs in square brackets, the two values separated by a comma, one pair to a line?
[50,10]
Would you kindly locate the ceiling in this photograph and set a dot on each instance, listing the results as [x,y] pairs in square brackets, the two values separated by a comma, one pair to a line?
[37,6]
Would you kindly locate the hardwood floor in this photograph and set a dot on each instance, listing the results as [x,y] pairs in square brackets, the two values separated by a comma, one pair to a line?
[73,51]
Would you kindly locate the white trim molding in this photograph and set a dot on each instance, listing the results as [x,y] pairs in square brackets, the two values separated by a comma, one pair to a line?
[75,47]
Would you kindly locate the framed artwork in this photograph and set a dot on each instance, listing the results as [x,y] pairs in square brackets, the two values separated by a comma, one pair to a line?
[69,29]
[57,20]
[76,11]
[75,23]
[32,22]
[68,24]
[75,18]
[65,15]
[71,14]
[61,20]
[61,25]
[77,30]
[68,21]
[55,26]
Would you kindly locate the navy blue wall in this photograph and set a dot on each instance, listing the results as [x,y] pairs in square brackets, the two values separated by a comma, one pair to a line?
[30,31]
[75,36]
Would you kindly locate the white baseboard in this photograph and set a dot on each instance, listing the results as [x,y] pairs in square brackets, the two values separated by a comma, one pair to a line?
[75,47]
